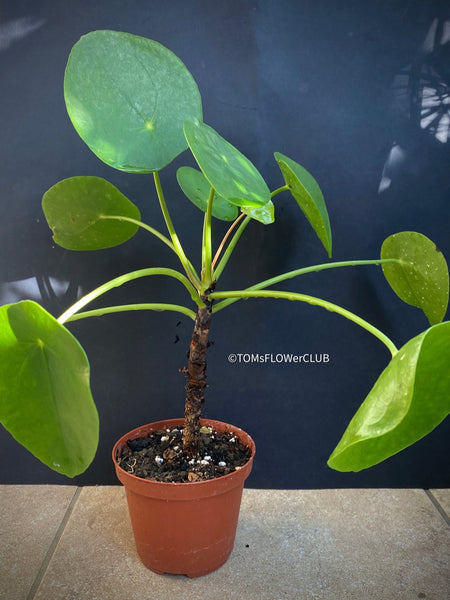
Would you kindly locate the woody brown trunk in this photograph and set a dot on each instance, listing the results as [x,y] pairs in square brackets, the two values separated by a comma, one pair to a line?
[196,379]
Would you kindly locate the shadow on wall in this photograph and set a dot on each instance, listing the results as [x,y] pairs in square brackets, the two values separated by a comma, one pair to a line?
[41,288]
[421,104]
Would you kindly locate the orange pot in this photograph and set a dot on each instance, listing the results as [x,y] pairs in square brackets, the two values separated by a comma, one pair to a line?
[184,528]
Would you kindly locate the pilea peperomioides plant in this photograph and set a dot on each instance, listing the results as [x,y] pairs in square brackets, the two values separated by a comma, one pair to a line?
[137,107]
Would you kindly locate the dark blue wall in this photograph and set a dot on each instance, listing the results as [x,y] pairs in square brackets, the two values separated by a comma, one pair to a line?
[339,87]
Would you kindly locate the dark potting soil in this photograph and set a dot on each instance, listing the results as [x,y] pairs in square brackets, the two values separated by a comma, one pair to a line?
[159,456]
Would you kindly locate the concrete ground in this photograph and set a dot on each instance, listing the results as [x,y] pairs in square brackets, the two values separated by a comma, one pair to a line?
[69,543]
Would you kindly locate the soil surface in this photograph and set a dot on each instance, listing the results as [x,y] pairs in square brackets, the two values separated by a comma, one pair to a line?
[159,456]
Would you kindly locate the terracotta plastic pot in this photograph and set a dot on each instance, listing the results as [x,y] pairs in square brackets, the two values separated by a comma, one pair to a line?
[184,528]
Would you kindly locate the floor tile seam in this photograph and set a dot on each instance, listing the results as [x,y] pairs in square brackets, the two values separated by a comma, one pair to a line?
[53,545]
[438,506]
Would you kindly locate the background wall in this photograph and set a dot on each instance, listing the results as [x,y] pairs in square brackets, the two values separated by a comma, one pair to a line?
[357,92]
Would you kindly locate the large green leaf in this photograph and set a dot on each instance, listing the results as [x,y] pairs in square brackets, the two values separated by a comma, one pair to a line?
[197,188]
[127,97]
[46,403]
[309,197]
[421,278]
[410,398]
[79,211]
[229,172]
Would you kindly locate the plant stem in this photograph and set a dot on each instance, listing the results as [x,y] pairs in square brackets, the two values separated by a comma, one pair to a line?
[311,300]
[279,190]
[128,307]
[291,274]
[118,281]
[152,230]
[225,238]
[231,246]
[189,269]
[237,235]
[206,245]
[196,379]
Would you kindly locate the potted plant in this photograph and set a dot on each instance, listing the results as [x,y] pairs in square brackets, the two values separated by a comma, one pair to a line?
[137,107]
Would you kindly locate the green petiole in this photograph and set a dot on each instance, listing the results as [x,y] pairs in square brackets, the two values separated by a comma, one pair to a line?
[314,301]
[237,235]
[118,281]
[189,269]
[207,276]
[129,307]
[152,230]
[291,274]
[234,240]
[279,190]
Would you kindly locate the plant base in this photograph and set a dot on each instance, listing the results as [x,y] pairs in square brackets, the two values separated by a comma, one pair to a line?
[184,528]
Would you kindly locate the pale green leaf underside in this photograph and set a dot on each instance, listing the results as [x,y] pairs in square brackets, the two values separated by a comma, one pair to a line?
[46,403]
[309,197]
[422,277]
[264,214]
[79,210]
[127,97]
[227,170]
[197,188]
[410,398]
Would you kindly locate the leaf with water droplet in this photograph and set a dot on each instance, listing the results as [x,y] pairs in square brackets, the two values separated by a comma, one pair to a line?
[127,97]
[46,401]
[264,214]
[420,275]
[308,195]
[410,398]
[89,213]
[227,170]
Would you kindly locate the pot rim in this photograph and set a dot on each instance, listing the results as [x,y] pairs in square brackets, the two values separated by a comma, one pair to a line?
[224,482]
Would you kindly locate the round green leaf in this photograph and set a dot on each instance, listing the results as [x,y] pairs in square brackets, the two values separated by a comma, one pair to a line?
[127,98]
[309,197]
[410,398]
[197,188]
[228,171]
[46,402]
[421,278]
[85,213]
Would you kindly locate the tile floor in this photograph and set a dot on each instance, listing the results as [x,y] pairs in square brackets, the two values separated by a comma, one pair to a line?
[69,543]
